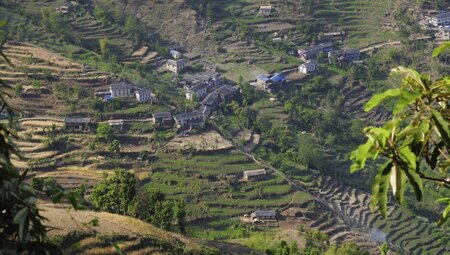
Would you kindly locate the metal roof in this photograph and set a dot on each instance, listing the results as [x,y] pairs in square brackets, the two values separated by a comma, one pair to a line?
[319,46]
[188,115]
[255,172]
[278,77]
[442,15]
[226,90]
[121,85]
[162,115]
[77,120]
[269,213]
[199,87]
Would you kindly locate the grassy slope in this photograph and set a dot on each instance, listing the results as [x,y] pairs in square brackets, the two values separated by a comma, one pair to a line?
[111,225]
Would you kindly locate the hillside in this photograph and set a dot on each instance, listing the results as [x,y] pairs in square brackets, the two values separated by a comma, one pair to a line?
[132,236]
[300,131]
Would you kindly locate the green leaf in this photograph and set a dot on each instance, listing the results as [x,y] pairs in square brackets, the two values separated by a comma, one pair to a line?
[359,156]
[445,215]
[21,215]
[380,187]
[407,98]
[21,218]
[416,183]
[439,50]
[2,23]
[379,98]
[408,156]
[442,126]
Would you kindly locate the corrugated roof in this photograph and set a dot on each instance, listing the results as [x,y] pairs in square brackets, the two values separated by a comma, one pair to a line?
[255,172]
[77,120]
[162,115]
[188,115]
[121,85]
[443,15]
[269,213]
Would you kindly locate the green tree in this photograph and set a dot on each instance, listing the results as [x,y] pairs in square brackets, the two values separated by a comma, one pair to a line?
[143,206]
[114,194]
[104,131]
[180,215]
[92,145]
[18,89]
[36,85]
[103,45]
[308,153]
[114,146]
[414,143]
[346,249]
[163,215]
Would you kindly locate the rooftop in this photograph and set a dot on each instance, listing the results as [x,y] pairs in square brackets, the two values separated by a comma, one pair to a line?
[255,172]
[319,46]
[212,98]
[227,90]
[188,115]
[269,213]
[162,115]
[77,120]
[199,87]
[278,77]
[175,62]
[144,91]
[265,7]
[443,15]
[311,62]
[262,77]
[121,85]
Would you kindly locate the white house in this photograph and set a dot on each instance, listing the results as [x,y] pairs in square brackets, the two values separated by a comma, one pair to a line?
[309,67]
[189,119]
[121,89]
[176,54]
[265,9]
[175,65]
[198,92]
[442,19]
[143,95]
[262,216]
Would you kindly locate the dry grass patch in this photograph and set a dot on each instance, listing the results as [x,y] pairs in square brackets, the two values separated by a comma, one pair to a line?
[210,141]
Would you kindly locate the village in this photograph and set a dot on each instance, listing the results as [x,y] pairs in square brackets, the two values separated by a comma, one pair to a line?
[222,131]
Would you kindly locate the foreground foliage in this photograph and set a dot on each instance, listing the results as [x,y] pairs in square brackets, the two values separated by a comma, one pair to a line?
[415,142]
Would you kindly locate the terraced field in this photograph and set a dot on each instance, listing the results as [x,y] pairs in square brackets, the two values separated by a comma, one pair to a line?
[355,98]
[33,62]
[213,181]
[403,230]
[366,21]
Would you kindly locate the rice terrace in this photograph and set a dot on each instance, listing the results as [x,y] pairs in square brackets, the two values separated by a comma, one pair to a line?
[309,127]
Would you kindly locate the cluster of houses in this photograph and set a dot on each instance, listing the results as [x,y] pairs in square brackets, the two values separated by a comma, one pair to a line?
[310,53]
[67,7]
[126,90]
[439,22]
[442,21]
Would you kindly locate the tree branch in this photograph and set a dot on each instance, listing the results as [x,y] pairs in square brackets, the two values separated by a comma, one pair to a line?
[443,182]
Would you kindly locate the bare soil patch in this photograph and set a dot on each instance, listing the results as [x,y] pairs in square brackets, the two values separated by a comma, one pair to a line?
[210,141]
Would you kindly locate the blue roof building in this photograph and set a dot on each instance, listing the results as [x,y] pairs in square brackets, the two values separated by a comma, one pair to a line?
[278,78]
